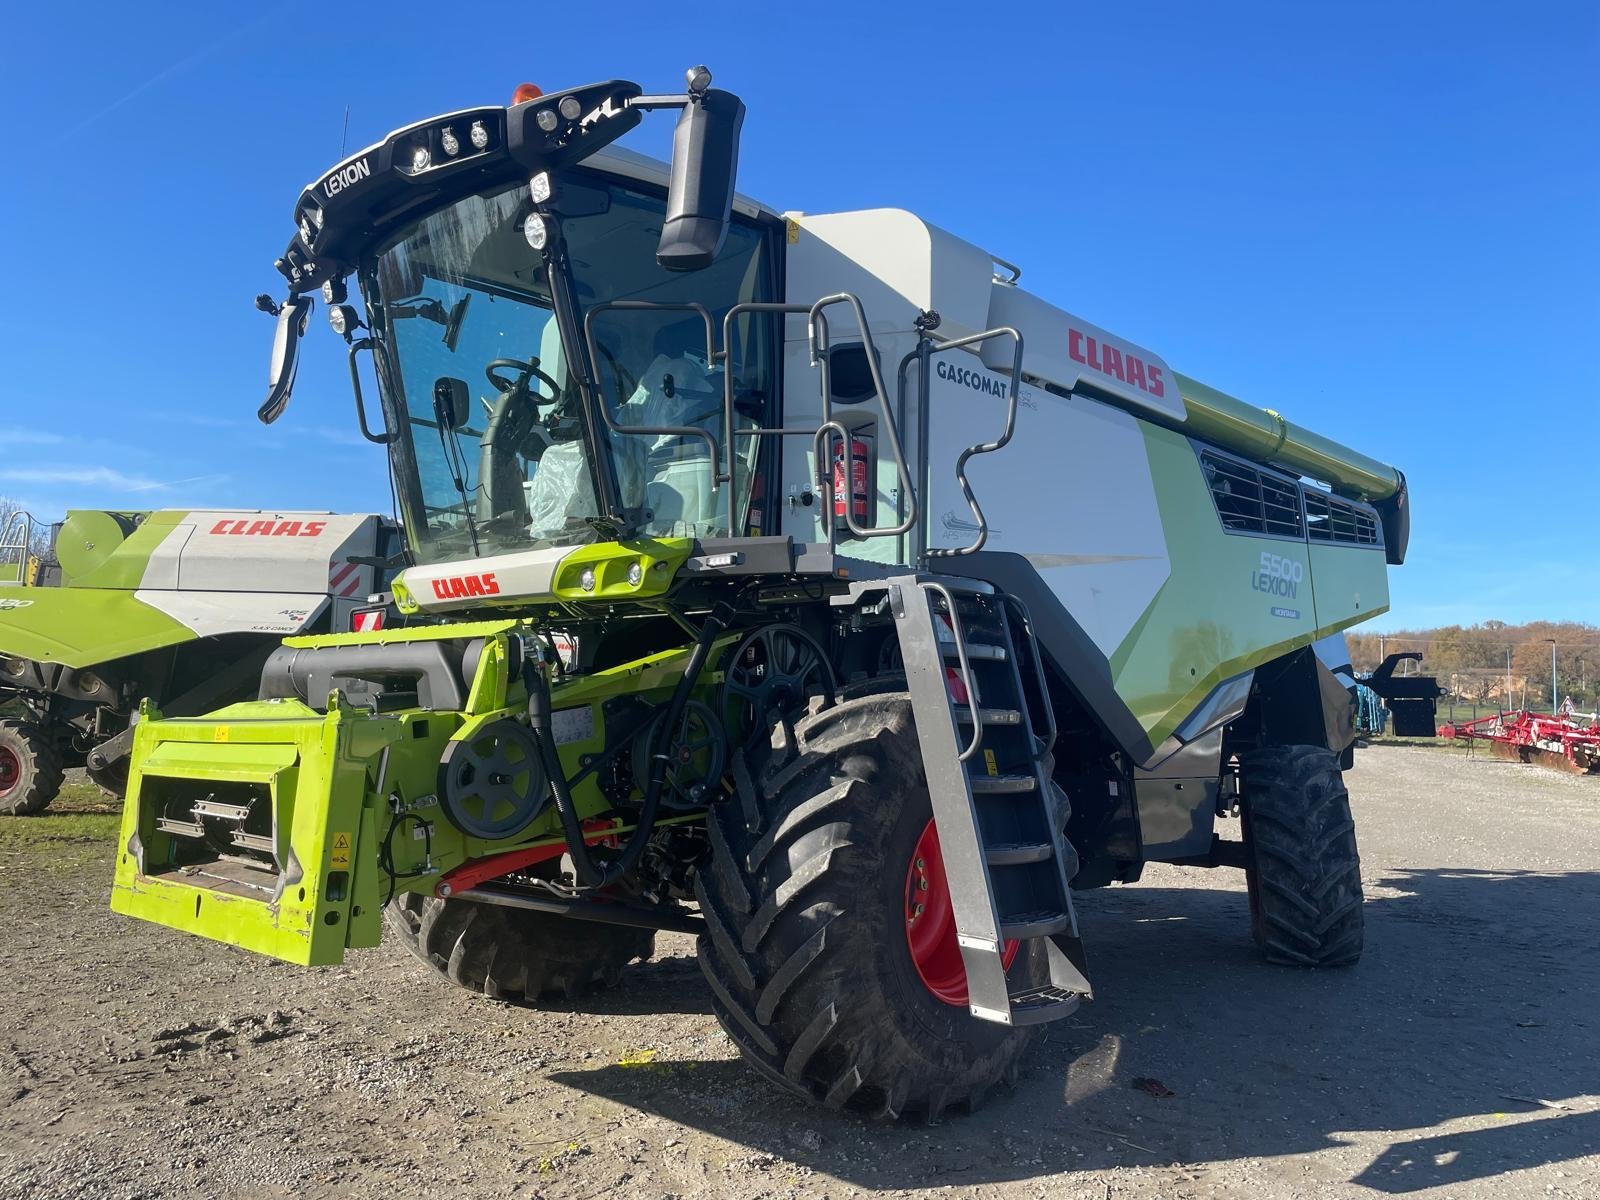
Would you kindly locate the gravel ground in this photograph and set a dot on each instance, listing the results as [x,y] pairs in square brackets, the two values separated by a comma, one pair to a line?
[1461,1058]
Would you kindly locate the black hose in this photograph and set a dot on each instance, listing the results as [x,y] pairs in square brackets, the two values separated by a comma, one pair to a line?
[590,873]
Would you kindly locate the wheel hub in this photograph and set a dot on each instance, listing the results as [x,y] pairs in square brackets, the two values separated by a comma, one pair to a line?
[931,924]
[10,769]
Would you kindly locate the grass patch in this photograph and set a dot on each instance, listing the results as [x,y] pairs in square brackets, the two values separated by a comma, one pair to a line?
[79,828]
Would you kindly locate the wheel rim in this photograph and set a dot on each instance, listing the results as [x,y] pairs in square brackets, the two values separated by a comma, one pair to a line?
[931,924]
[10,769]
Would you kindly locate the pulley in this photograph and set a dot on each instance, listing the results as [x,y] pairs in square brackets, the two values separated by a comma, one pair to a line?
[493,784]
[772,676]
[696,753]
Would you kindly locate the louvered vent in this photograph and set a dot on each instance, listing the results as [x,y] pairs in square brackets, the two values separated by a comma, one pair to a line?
[1253,501]
[1330,519]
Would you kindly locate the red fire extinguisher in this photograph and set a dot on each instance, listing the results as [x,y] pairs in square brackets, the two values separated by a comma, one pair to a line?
[860,458]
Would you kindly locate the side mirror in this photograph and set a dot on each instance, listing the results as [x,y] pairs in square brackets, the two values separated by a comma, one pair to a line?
[452,324]
[285,357]
[452,406]
[705,159]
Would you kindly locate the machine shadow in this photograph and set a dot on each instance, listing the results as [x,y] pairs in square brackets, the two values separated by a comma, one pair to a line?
[1474,998]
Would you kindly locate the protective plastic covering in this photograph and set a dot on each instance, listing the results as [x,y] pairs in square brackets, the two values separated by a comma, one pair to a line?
[669,476]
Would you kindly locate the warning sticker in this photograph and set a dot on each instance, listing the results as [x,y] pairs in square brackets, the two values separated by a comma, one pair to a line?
[989,762]
[219,734]
[339,856]
[572,725]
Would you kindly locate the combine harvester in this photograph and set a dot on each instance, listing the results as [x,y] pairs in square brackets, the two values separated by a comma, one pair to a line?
[177,606]
[800,581]
[1563,741]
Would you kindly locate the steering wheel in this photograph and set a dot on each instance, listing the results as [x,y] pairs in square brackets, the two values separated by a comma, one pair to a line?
[524,369]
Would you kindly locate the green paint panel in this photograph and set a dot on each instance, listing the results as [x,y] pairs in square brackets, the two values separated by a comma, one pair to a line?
[1351,584]
[125,566]
[1211,619]
[82,627]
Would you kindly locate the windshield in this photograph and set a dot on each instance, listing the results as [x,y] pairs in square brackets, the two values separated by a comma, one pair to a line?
[461,308]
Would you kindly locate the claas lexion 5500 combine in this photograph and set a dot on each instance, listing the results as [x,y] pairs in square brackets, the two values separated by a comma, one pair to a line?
[800,581]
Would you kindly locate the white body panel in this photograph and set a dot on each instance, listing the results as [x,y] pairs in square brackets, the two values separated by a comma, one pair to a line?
[213,613]
[1072,493]
[271,552]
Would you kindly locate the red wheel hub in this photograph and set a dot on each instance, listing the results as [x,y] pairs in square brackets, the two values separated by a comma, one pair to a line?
[10,769]
[931,924]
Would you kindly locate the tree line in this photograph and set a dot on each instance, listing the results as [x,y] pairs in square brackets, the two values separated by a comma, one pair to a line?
[1474,661]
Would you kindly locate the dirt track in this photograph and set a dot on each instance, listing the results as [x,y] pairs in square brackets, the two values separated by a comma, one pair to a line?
[137,1062]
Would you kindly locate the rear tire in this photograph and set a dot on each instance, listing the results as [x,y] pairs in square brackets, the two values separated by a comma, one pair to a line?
[806,949]
[1302,867]
[30,769]
[513,954]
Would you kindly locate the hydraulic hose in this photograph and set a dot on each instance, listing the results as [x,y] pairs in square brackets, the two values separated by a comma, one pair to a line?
[590,873]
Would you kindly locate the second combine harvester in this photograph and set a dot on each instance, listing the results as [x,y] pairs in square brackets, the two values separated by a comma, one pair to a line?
[801,581]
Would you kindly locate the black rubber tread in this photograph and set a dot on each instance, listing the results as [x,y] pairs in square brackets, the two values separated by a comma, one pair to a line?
[512,954]
[1302,866]
[805,950]
[40,760]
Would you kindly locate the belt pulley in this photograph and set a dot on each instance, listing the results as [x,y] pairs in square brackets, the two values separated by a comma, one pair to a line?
[493,784]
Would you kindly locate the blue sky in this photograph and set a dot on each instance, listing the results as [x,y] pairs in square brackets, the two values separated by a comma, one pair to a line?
[1381,219]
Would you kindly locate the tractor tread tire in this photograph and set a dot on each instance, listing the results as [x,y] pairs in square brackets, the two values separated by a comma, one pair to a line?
[1304,872]
[514,955]
[805,950]
[39,758]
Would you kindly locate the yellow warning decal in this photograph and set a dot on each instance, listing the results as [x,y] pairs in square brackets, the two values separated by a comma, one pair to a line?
[219,734]
[340,855]
[791,230]
[989,762]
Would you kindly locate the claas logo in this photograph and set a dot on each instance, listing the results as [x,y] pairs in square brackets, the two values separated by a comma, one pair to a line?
[269,528]
[460,587]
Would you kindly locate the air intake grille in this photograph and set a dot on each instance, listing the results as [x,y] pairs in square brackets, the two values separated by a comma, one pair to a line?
[1253,501]
[1330,519]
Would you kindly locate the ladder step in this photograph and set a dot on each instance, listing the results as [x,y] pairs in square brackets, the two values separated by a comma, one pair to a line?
[1038,1005]
[976,651]
[1016,854]
[992,785]
[1034,924]
[989,716]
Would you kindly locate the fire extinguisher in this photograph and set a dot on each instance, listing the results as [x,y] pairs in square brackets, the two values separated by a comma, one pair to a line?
[860,471]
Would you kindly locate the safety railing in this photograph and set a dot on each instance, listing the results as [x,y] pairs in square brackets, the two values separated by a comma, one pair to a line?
[721,452]
[927,349]
[817,338]
[16,547]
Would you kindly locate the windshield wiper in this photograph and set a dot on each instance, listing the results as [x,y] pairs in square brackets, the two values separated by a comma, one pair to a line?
[452,451]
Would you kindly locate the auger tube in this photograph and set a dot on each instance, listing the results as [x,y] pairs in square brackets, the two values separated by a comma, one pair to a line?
[1263,435]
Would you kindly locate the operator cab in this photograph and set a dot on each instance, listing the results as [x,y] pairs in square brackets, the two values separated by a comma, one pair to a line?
[543,319]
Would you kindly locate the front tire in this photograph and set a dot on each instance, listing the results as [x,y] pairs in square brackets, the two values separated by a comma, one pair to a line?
[513,954]
[30,769]
[807,951]
[1302,867]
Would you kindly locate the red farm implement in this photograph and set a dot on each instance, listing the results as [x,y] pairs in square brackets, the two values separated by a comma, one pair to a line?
[1558,741]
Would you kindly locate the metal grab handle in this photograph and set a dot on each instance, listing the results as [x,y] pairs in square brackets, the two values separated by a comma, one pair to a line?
[961,658]
[691,431]
[924,354]
[382,439]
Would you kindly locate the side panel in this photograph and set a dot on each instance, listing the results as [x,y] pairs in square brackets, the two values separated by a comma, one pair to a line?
[1116,518]
[1351,584]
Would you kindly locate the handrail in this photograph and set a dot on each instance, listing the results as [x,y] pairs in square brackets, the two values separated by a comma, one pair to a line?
[923,355]
[817,338]
[658,430]
[961,659]
[17,534]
